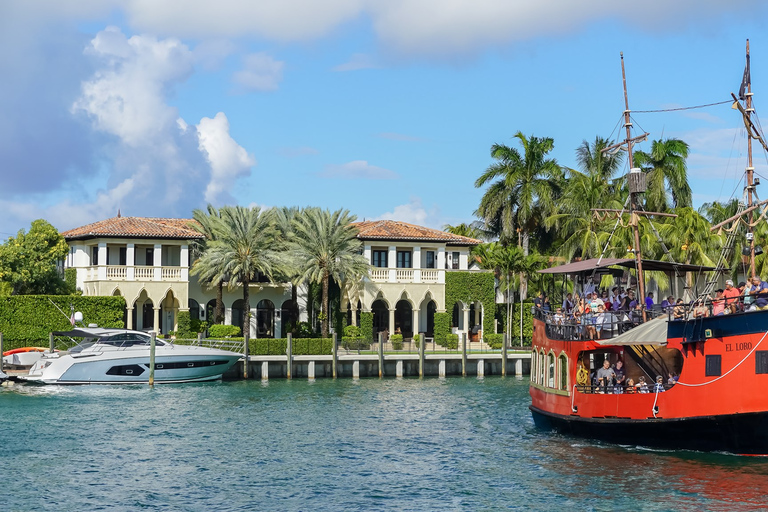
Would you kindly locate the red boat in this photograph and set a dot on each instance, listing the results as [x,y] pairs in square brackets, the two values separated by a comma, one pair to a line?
[718,400]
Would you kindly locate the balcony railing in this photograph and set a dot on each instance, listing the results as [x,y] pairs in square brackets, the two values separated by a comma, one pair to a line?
[137,273]
[405,275]
[429,276]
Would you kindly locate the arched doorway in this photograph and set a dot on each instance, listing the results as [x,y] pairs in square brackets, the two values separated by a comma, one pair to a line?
[431,310]
[210,311]
[289,317]
[147,316]
[457,318]
[380,312]
[265,319]
[404,319]
[194,309]
[237,314]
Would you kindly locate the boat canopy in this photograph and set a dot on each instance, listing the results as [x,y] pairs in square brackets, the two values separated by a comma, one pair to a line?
[653,332]
[596,264]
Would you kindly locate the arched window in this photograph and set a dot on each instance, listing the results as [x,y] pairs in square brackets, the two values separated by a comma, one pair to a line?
[542,369]
[237,314]
[265,319]
[194,309]
[563,372]
[551,368]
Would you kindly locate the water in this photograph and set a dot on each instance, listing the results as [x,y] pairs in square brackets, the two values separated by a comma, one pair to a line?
[433,444]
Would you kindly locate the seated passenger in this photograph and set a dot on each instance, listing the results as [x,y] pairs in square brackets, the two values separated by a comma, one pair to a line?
[761,304]
[731,294]
[672,380]
[621,377]
[605,376]
[641,386]
[679,312]
[631,386]
[559,319]
[718,303]
[659,386]
[700,311]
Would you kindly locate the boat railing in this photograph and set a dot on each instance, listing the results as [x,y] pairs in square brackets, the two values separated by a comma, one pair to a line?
[590,326]
[597,389]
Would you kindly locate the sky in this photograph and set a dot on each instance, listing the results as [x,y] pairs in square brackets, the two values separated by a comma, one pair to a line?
[387,108]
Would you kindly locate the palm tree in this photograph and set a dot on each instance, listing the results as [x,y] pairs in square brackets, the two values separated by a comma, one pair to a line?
[243,248]
[324,246]
[526,186]
[585,190]
[666,168]
[205,224]
[472,230]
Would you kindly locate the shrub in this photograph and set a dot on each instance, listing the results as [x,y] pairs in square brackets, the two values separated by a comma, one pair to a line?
[301,346]
[495,341]
[184,321]
[442,327]
[417,340]
[355,343]
[352,331]
[397,341]
[451,341]
[366,325]
[223,331]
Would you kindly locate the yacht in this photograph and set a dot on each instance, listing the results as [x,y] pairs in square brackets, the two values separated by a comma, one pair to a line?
[120,356]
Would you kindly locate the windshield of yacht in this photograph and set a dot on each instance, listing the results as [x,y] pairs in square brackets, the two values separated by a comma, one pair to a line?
[129,339]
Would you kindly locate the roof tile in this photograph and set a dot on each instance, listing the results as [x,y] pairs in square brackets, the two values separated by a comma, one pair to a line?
[396,230]
[135,227]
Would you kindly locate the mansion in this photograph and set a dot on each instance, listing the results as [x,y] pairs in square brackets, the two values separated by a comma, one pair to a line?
[147,261]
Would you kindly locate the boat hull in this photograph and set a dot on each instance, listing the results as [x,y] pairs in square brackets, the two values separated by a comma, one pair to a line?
[745,434]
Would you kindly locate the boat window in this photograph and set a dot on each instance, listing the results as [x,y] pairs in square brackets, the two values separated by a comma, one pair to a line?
[533,366]
[563,372]
[713,366]
[551,361]
[128,339]
[542,369]
[761,361]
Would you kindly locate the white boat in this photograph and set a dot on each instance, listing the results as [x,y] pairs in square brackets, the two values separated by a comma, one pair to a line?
[120,356]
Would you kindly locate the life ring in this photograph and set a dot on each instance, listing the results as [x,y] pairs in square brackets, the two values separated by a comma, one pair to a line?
[24,349]
[582,376]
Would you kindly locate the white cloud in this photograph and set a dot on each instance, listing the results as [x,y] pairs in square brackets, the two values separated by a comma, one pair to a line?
[228,159]
[357,61]
[358,169]
[414,213]
[260,73]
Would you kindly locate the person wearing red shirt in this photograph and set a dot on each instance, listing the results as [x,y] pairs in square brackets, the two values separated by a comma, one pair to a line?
[730,294]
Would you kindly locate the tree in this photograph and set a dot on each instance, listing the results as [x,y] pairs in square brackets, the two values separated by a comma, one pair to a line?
[30,262]
[206,222]
[527,185]
[666,168]
[324,246]
[242,248]
[576,223]
[525,191]
[473,230]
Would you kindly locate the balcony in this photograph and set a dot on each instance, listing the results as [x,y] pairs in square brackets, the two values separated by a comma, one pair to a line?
[407,275]
[136,273]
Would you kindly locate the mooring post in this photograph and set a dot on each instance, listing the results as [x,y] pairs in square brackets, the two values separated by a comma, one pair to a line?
[422,342]
[381,354]
[50,341]
[463,354]
[335,354]
[199,339]
[1,352]
[289,355]
[504,355]
[152,359]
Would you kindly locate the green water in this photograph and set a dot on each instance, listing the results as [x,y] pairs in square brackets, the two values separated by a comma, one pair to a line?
[433,444]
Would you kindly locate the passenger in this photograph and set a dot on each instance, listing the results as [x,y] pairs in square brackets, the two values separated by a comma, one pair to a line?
[559,319]
[545,306]
[671,381]
[679,312]
[730,293]
[641,386]
[631,386]
[761,304]
[718,303]
[538,302]
[700,311]
[659,386]
[605,375]
[616,304]
[636,315]
[621,377]
[649,302]
[747,298]
[568,304]
[759,289]
[599,319]
[668,304]
[632,301]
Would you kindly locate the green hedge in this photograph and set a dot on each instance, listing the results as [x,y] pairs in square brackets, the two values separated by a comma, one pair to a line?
[467,287]
[495,341]
[70,277]
[301,346]
[222,331]
[451,341]
[442,327]
[366,325]
[397,341]
[26,320]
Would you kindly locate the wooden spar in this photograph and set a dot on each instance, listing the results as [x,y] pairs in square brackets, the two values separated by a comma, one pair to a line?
[750,169]
[639,138]
[752,208]
[633,205]
[643,213]
[751,128]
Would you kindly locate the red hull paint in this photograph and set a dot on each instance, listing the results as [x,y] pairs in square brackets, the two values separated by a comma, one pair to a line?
[740,391]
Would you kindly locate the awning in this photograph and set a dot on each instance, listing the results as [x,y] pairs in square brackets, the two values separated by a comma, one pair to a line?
[591,265]
[652,332]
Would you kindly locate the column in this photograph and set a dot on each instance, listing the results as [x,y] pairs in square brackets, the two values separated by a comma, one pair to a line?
[102,269]
[466,320]
[184,262]
[441,265]
[415,324]
[130,261]
[157,258]
[391,320]
[392,264]
[157,319]
[129,316]
[416,256]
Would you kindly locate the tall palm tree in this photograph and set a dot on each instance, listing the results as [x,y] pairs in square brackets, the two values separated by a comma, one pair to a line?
[578,227]
[206,222]
[243,248]
[324,246]
[472,230]
[667,169]
[526,185]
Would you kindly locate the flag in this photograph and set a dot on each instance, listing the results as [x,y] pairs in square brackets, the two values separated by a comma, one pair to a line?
[745,81]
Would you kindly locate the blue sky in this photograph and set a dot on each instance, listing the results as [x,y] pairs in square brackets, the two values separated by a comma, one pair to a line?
[386,108]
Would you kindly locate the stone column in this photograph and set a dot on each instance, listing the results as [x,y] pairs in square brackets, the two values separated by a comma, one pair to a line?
[157,258]
[391,320]
[157,319]
[129,317]
[130,261]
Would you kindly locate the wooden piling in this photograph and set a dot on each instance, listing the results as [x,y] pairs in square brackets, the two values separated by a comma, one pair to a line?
[422,342]
[50,341]
[1,352]
[504,354]
[289,356]
[381,355]
[463,354]
[152,360]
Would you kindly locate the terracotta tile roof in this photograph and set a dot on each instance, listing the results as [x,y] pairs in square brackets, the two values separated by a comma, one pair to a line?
[395,230]
[135,227]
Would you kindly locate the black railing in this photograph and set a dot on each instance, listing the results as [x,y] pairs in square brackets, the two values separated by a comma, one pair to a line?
[621,390]
[591,326]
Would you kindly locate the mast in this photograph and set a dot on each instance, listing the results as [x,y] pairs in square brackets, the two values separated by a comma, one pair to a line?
[750,167]
[636,186]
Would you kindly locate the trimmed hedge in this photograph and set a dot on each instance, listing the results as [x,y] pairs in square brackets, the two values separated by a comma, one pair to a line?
[467,287]
[301,346]
[397,341]
[222,331]
[26,320]
[495,341]
[451,341]
[442,327]
[366,325]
